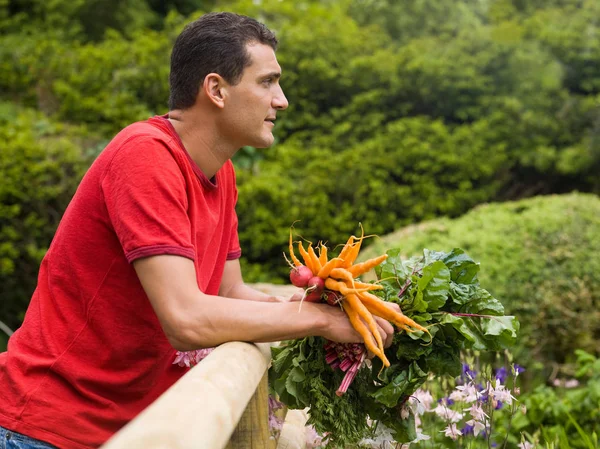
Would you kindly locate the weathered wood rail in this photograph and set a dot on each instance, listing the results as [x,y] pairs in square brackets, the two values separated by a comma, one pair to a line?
[222,403]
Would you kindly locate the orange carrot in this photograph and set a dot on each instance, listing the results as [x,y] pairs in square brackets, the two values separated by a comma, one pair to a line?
[361,268]
[333,263]
[347,248]
[352,253]
[316,263]
[322,254]
[364,332]
[297,263]
[362,311]
[377,307]
[307,259]
[340,286]
[367,286]
[343,274]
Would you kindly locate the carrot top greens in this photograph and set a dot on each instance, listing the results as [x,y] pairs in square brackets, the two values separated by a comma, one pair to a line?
[440,291]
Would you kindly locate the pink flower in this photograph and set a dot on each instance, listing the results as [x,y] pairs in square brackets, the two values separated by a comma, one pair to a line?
[275,424]
[452,432]
[478,426]
[477,412]
[313,439]
[191,358]
[500,393]
[447,414]
[468,393]
[423,398]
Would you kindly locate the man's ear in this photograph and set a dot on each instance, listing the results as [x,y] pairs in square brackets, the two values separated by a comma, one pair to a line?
[215,87]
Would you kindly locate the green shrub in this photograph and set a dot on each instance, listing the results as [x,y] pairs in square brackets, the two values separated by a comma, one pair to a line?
[416,169]
[41,164]
[540,257]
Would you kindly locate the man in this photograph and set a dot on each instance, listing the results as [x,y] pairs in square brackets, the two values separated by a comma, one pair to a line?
[145,261]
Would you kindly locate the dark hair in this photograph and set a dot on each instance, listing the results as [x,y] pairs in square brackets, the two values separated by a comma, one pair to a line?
[214,43]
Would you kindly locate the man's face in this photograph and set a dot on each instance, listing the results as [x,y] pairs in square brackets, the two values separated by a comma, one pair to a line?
[253,102]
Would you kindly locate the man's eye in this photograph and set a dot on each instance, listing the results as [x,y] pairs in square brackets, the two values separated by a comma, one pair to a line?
[268,81]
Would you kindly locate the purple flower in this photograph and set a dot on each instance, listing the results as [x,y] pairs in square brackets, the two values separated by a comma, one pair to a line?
[445,401]
[274,404]
[468,429]
[468,372]
[518,369]
[502,374]
[499,405]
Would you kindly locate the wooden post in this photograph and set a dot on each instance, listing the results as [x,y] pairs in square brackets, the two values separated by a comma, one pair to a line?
[252,431]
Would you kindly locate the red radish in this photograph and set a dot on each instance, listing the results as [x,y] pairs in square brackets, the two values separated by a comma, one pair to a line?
[315,284]
[333,298]
[300,275]
[313,296]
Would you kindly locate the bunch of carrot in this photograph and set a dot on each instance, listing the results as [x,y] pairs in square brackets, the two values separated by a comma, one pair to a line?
[334,280]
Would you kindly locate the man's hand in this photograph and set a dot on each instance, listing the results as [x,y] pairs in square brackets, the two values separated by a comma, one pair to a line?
[385,328]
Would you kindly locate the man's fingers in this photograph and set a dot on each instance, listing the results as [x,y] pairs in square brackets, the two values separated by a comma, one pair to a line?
[297,296]
[386,330]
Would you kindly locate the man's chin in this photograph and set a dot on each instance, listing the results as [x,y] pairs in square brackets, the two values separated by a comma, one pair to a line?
[264,143]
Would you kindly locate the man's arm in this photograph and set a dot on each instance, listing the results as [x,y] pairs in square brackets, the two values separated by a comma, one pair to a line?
[193,320]
[233,286]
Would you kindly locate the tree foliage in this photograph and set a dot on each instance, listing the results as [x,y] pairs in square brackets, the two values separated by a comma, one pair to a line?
[400,111]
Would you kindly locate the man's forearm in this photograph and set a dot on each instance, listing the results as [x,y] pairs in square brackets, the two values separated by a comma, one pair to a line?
[244,291]
[221,319]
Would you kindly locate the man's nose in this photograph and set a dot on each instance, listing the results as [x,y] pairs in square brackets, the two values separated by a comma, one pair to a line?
[280,101]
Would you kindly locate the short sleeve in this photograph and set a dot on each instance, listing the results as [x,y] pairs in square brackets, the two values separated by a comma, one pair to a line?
[145,195]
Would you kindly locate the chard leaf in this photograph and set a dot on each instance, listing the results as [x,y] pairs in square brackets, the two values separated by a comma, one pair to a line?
[412,350]
[403,430]
[501,332]
[444,360]
[403,384]
[392,267]
[484,333]
[481,302]
[412,301]
[281,358]
[463,269]
[434,285]
[473,336]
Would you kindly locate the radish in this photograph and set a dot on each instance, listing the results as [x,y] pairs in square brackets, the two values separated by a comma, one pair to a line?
[333,298]
[300,275]
[314,289]
[315,284]
[313,296]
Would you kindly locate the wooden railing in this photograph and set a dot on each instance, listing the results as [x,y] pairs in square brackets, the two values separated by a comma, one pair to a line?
[222,403]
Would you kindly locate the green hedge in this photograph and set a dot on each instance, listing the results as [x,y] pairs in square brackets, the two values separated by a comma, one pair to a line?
[540,257]
[41,164]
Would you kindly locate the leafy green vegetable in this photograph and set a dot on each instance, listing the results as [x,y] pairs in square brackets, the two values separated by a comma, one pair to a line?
[438,290]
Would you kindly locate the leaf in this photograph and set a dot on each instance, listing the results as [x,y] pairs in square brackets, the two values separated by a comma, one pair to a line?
[473,337]
[403,430]
[412,350]
[484,333]
[474,299]
[445,360]
[503,329]
[463,269]
[434,285]
[392,268]
[403,384]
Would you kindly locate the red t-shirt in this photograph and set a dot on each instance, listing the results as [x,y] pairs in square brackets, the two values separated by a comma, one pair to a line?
[91,353]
